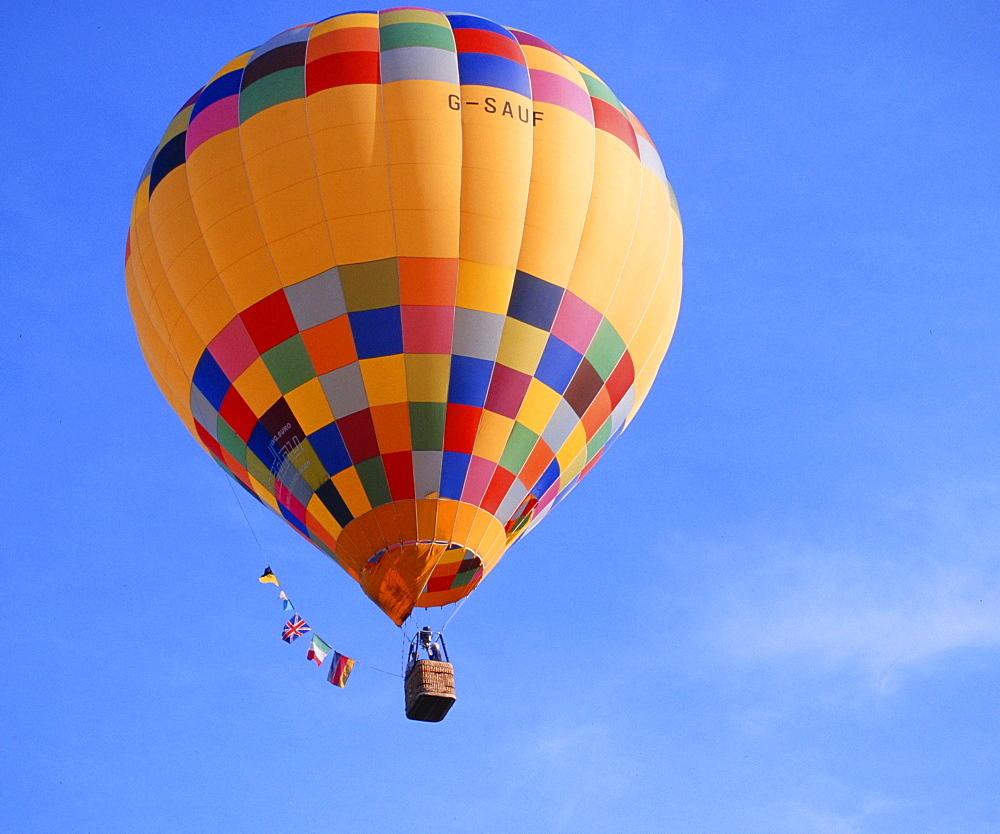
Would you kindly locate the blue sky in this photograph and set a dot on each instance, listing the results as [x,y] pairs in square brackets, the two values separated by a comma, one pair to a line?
[774,606]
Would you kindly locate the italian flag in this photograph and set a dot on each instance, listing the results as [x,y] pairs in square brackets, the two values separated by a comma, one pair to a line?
[318,650]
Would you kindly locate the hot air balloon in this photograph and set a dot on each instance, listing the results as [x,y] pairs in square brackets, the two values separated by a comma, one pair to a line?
[404,276]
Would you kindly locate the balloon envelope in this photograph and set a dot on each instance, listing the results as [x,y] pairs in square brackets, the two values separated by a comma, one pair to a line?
[404,275]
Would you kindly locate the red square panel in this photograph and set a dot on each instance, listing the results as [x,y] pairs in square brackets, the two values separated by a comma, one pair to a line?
[340,69]
[621,379]
[270,321]
[439,583]
[289,501]
[208,440]
[238,415]
[489,43]
[399,474]
[460,427]
[507,390]
[358,432]
[497,491]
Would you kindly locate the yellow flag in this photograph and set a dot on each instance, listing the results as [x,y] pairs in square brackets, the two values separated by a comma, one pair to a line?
[267,576]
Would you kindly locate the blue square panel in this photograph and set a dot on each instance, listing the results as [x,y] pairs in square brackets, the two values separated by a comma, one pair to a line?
[534,301]
[558,364]
[330,449]
[211,380]
[454,468]
[377,332]
[470,380]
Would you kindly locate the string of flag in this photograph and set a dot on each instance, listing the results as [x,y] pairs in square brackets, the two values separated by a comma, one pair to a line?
[296,627]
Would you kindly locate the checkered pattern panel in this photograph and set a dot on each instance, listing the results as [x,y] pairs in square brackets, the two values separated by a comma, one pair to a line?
[322,420]
[404,256]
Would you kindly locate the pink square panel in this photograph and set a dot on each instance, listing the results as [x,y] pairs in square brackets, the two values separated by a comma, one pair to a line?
[233,349]
[427,329]
[477,479]
[576,322]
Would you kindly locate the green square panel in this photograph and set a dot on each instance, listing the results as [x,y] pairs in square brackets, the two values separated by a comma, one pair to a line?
[372,475]
[519,445]
[606,349]
[397,35]
[598,89]
[283,85]
[231,441]
[427,426]
[596,443]
[289,364]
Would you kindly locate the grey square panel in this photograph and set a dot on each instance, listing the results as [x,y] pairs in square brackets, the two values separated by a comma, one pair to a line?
[426,473]
[560,426]
[203,411]
[620,414]
[316,300]
[477,334]
[345,390]
[294,482]
[515,495]
[425,63]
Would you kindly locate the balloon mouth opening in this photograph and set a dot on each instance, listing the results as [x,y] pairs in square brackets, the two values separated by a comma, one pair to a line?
[420,574]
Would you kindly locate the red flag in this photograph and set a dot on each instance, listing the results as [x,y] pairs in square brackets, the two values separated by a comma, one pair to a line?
[340,669]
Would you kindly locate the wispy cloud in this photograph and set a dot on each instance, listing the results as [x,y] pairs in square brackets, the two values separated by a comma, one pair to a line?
[582,768]
[841,610]
[569,774]
[883,612]
[801,817]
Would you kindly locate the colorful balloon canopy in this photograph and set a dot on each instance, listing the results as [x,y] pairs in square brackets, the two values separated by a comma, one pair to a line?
[405,275]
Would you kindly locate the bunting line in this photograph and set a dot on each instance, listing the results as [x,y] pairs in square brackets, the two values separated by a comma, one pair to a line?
[340,665]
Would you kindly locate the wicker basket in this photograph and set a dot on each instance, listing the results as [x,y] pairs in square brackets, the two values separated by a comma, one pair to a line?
[430,690]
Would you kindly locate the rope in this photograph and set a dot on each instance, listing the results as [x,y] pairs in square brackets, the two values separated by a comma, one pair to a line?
[246,518]
[453,613]
[357,662]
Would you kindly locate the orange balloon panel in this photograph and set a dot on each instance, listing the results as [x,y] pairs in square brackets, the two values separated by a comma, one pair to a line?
[405,275]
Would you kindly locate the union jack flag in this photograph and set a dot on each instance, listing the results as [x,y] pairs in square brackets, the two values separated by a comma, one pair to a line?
[294,629]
